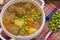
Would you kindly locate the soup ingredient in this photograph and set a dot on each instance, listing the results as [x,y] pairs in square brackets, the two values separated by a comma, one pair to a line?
[37,24]
[32,11]
[23,32]
[35,12]
[12,8]
[28,15]
[37,16]
[26,28]
[24,17]
[12,20]
[54,23]
[19,11]
[22,27]
[28,6]
[32,30]
[30,24]
[9,15]
[14,16]
[13,29]
[19,22]
[8,22]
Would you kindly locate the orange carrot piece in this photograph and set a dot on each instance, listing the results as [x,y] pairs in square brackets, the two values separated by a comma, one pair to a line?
[28,15]
[35,12]
[30,24]
[8,22]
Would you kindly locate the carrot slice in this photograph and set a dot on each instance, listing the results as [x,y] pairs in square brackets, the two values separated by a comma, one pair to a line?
[8,22]
[30,24]
[28,15]
[35,12]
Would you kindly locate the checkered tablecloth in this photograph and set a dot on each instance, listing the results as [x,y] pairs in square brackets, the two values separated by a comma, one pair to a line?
[49,10]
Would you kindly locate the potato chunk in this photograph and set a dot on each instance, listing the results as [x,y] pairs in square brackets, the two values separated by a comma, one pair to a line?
[32,30]
[19,22]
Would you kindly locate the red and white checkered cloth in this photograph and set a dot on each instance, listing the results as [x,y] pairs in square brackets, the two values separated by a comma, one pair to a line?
[49,11]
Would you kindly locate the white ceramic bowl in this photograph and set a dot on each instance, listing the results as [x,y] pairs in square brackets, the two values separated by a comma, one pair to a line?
[23,37]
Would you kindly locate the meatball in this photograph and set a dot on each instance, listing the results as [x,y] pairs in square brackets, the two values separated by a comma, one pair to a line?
[12,8]
[20,11]
[9,16]
[13,29]
[23,32]
[37,24]
[28,6]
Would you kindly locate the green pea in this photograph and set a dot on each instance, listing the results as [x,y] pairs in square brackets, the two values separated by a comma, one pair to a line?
[50,22]
[50,26]
[24,25]
[24,17]
[32,15]
[53,25]
[21,27]
[27,11]
[14,12]
[32,10]
[26,28]
[19,18]
[57,13]
[59,23]
[57,16]
[37,15]
[29,18]
[33,20]
[55,28]
[58,26]
[25,22]
[55,22]
[12,21]
[53,17]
